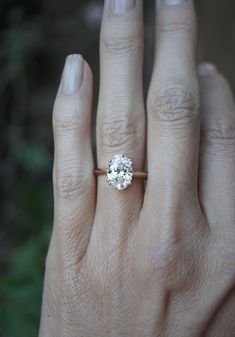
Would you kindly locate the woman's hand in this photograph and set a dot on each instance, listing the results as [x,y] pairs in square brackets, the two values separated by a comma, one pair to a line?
[142,262]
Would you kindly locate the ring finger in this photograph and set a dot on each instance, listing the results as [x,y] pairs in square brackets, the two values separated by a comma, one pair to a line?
[120,117]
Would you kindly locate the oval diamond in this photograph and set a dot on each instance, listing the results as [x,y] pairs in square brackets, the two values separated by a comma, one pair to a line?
[120,172]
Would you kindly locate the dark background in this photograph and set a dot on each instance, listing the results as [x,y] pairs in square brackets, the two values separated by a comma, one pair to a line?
[35,37]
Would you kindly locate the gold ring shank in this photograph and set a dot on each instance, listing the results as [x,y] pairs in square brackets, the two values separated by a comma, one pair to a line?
[136,174]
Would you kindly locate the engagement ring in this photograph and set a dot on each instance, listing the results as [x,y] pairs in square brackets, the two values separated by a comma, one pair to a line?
[120,172]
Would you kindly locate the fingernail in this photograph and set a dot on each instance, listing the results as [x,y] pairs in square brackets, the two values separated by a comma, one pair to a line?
[207,69]
[119,7]
[172,2]
[73,74]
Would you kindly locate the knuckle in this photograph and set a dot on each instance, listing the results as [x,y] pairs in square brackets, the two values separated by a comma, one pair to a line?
[177,105]
[175,263]
[63,294]
[175,26]
[68,114]
[119,134]
[175,256]
[120,41]
[70,185]
[222,135]
[65,122]
[183,22]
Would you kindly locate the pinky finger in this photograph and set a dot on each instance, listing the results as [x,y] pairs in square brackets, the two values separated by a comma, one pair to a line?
[217,152]
[74,182]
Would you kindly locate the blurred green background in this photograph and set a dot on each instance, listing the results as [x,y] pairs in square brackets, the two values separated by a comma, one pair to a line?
[35,37]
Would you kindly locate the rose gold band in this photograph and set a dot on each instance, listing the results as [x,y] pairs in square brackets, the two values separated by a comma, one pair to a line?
[136,174]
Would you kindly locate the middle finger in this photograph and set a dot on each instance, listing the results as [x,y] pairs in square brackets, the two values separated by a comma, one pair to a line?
[173,107]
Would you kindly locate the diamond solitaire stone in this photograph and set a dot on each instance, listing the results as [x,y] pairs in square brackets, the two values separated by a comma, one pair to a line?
[120,172]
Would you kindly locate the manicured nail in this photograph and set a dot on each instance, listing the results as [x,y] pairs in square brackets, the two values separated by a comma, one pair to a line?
[73,74]
[207,69]
[172,2]
[119,7]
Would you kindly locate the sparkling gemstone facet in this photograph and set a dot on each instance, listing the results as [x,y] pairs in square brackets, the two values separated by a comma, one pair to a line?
[120,172]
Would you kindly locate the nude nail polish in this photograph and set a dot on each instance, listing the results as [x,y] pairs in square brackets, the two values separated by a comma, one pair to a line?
[207,69]
[72,74]
[119,7]
[172,2]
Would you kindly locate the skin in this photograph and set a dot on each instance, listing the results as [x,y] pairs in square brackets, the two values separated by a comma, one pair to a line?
[155,261]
